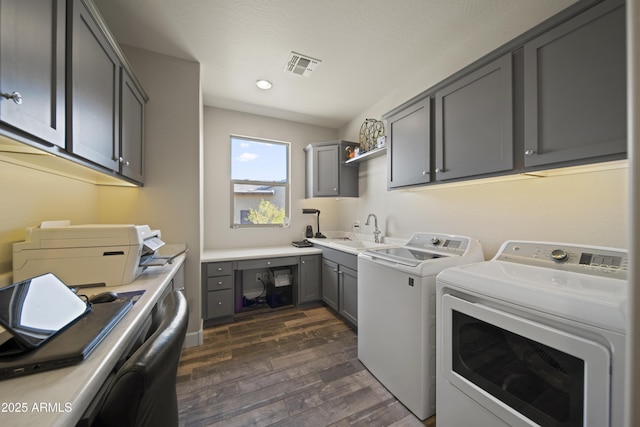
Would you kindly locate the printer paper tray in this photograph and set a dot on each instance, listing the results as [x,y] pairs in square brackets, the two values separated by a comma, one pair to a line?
[165,255]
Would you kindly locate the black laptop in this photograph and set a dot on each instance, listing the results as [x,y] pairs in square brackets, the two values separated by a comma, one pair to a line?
[48,328]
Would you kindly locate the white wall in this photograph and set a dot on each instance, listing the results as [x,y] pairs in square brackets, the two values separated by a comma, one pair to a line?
[170,198]
[587,208]
[31,196]
[219,125]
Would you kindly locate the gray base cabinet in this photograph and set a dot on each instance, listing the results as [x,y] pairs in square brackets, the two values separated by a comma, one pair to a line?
[219,290]
[340,283]
[575,88]
[32,68]
[327,173]
[224,284]
[348,300]
[330,283]
[310,287]
[474,123]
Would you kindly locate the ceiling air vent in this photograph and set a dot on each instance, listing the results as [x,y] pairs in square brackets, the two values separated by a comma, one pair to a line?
[301,65]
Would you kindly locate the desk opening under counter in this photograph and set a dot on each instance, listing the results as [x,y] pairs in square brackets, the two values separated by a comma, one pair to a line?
[253,283]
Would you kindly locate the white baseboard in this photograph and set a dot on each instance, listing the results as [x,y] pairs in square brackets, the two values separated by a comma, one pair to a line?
[194,339]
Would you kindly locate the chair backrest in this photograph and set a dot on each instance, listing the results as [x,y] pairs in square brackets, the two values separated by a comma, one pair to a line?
[143,392]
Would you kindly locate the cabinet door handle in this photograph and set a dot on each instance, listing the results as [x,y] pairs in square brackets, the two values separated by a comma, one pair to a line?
[438,170]
[219,303]
[17,98]
[121,160]
[220,283]
[530,152]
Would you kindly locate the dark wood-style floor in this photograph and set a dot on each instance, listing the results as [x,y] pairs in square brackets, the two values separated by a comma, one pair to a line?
[291,367]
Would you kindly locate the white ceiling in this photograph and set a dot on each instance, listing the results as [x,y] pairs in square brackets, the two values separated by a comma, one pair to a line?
[367,47]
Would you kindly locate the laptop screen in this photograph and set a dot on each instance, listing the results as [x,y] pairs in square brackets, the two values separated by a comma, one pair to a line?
[36,309]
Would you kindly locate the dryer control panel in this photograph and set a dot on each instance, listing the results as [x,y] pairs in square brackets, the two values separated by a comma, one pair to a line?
[593,260]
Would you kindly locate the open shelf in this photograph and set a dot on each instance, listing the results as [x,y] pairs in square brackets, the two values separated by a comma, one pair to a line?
[371,154]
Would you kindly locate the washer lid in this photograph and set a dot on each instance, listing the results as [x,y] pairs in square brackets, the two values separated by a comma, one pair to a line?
[403,255]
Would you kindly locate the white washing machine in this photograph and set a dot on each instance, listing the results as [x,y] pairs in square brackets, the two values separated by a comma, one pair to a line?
[396,313]
[533,337]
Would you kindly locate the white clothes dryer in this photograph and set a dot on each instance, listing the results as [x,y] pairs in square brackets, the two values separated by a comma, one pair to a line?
[533,337]
[396,313]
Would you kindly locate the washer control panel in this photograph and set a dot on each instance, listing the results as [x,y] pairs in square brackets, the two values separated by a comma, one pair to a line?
[442,243]
[594,260]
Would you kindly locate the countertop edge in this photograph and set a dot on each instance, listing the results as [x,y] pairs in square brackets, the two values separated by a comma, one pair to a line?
[218,255]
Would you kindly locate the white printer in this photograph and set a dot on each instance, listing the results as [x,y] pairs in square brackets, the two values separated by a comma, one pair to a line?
[113,254]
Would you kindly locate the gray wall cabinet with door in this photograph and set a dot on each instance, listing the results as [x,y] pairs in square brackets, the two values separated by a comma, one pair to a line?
[473,123]
[409,148]
[327,173]
[94,84]
[107,112]
[81,100]
[32,69]
[575,88]
[553,97]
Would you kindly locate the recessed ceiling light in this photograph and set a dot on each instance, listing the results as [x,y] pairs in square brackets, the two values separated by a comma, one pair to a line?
[264,84]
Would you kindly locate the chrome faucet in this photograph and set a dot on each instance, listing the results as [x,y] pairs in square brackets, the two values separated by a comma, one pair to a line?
[376,232]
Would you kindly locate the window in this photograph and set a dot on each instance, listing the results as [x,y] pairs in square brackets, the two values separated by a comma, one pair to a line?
[259,183]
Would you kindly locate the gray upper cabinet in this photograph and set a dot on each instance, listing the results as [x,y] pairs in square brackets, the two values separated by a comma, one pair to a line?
[67,89]
[575,88]
[474,123]
[327,174]
[94,88]
[32,68]
[131,129]
[408,150]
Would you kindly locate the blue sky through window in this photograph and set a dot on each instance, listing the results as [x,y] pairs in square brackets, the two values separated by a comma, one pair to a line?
[258,160]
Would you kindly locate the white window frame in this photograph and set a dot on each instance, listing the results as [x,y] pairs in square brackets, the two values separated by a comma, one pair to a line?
[285,185]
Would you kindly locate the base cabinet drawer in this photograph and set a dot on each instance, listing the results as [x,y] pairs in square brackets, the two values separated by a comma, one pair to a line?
[219,283]
[219,269]
[220,303]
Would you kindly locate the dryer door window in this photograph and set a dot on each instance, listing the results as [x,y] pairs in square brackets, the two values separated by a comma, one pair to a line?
[524,369]
[544,384]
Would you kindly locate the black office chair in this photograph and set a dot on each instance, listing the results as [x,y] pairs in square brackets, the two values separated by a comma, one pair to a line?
[143,391]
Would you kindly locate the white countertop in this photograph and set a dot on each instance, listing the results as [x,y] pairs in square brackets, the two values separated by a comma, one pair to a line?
[65,393]
[217,255]
[354,243]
